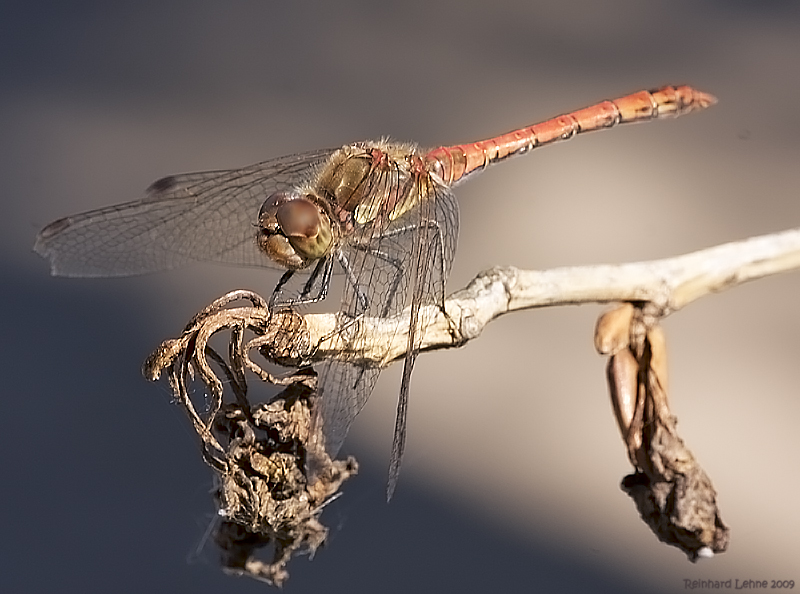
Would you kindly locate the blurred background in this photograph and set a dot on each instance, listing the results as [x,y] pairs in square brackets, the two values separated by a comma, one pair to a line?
[513,464]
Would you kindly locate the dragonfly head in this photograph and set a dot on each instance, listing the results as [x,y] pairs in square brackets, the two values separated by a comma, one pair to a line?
[293,230]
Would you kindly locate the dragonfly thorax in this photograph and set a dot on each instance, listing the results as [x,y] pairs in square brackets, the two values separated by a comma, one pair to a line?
[348,177]
[294,230]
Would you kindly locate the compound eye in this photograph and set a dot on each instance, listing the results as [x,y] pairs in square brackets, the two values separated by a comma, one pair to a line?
[267,215]
[306,227]
[294,231]
[271,238]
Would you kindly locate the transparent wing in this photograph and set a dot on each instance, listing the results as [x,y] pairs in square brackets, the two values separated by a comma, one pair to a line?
[432,256]
[404,264]
[183,218]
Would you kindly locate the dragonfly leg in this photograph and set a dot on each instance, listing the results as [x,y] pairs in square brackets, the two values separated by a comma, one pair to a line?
[279,289]
[442,265]
[438,238]
[351,278]
[363,301]
[397,277]
[323,267]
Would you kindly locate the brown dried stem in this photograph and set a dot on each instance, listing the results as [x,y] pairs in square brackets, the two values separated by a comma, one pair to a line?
[259,451]
[672,492]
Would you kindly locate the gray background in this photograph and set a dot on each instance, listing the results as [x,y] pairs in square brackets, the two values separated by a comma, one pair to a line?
[511,477]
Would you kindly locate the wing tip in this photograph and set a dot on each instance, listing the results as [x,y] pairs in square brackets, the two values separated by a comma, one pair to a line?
[49,232]
[42,244]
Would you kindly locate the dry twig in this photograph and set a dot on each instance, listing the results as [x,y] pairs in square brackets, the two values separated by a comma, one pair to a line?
[664,286]
[672,492]
[259,451]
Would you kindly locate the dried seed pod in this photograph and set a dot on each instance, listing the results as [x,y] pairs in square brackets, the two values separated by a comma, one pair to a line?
[658,355]
[612,332]
[623,384]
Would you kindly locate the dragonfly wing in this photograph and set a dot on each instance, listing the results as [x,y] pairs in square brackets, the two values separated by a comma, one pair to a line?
[207,216]
[432,256]
[405,264]
[343,390]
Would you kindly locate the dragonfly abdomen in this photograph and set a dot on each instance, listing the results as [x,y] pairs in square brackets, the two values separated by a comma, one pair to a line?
[454,163]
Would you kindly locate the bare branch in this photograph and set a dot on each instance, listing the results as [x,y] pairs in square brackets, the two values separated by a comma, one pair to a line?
[666,285]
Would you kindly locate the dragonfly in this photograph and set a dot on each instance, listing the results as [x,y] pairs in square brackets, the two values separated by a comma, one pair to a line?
[382,213]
